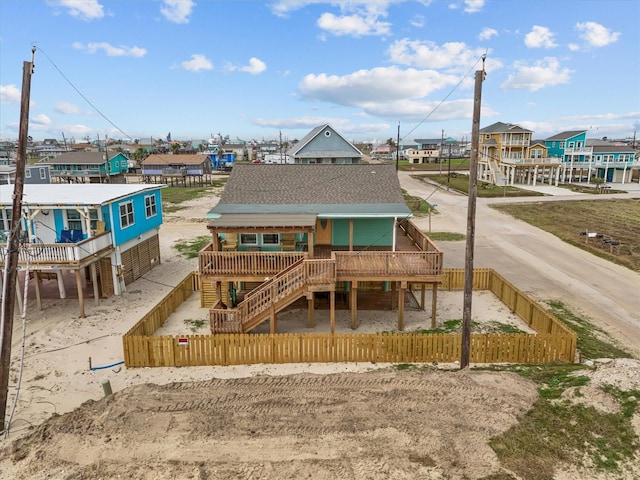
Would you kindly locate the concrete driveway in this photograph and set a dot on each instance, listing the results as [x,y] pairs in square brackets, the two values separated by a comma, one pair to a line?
[537,262]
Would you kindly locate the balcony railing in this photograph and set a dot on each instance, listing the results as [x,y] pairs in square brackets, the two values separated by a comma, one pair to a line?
[532,161]
[59,254]
[578,151]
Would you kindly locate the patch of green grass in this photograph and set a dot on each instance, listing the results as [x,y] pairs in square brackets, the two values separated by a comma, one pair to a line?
[195,324]
[417,205]
[593,342]
[190,248]
[615,219]
[455,326]
[460,183]
[445,236]
[555,431]
[172,197]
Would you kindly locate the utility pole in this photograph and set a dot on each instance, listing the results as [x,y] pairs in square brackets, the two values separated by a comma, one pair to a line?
[471,220]
[440,152]
[9,293]
[398,148]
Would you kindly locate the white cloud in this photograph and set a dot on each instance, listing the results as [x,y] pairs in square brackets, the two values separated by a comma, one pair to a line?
[42,120]
[354,25]
[83,9]
[453,56]
[197,63]
[66,108]
[540,37]
[9,94]
[596,35]
[574,47]
[255,66]
[379,85]
[417,21]
[177,11]
[487,33]
[110,50]
[473,6]
[543,73]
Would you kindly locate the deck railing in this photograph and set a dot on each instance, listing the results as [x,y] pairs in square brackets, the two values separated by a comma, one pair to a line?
[245,263]
[274,293]
[387,264]
[59,253]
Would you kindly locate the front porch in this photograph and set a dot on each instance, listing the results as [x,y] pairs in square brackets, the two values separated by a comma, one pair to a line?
[413,259]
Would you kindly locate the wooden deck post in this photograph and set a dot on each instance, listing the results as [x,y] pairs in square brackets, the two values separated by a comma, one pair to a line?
[94,280]
[63,294]
[401,292]
[273,323]
[332,303]
[394,289]
[80,292]
[36,278]
[310,307]
[434,304]
[354,304]
[423,290]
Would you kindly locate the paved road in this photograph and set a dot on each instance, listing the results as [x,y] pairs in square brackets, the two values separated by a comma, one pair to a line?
[537,262]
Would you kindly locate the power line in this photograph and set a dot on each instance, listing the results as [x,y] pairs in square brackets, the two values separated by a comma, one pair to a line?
[81,94]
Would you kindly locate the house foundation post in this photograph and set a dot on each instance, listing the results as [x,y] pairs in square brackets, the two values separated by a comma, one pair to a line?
[434,304]
[332,314]
[354,304]
[80,292]
[401,293]
[310,306]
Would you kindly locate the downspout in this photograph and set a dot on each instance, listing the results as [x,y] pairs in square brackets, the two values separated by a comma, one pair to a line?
[117,273]
[393,241]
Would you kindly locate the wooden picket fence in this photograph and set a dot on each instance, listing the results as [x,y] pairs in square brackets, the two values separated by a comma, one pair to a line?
[553,341]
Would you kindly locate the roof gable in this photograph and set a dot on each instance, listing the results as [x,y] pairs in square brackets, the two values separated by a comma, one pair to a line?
[319,143]
[500,127]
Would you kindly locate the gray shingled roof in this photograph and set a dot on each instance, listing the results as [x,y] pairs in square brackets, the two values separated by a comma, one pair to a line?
[339,189]
[168,159]
[78,158]
[500,127]
[566,135]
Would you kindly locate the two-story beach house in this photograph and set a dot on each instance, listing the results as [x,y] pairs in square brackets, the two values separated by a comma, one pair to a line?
[324,144]
[285,232]
[107,235]
[508,155]
[88,167]
[584,159]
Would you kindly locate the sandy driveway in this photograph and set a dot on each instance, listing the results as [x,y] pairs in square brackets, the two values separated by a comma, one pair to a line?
[322,421]
[537,262]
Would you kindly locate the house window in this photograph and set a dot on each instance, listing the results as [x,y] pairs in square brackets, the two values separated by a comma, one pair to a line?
[248,239]
[150,208]
[43,174]
[5,221]
[126,214]
[270,239]
[562,145]
[553,144]
[74,221]
[27,173]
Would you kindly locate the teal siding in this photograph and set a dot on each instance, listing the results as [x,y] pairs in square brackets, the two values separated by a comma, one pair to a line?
[141,224]
[367,232]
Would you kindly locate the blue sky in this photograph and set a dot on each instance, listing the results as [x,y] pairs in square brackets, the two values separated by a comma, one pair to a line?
[255,70]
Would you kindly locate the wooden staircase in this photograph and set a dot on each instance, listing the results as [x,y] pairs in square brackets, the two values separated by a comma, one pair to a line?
[274,294]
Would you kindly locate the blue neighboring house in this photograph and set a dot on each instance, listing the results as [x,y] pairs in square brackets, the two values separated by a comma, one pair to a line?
[584,159]
[87,167]
[107,233]
[324,145]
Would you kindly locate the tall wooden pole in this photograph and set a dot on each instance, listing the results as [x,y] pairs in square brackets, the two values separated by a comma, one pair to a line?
[471,220]
[9,293]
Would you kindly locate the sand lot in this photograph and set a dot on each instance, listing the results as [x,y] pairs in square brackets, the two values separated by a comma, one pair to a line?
[360,421]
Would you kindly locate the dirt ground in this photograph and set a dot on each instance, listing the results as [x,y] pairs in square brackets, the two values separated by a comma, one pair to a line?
[356,421]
